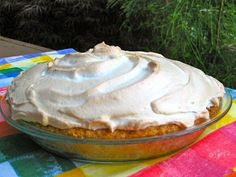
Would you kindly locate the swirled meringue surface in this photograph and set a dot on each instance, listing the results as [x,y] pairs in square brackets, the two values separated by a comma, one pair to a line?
[107,87]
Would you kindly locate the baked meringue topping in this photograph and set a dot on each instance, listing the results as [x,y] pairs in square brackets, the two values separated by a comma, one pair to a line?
[107,87]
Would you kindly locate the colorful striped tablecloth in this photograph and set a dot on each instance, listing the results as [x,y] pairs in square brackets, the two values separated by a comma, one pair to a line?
[213,155]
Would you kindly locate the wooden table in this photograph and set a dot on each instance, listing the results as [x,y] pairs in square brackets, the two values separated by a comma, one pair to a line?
[11,47]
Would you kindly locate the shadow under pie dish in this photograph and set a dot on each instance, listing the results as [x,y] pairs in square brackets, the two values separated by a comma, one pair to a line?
[111,105]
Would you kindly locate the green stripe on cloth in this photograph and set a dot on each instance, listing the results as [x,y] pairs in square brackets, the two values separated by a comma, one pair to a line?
[28,159]
[4,71]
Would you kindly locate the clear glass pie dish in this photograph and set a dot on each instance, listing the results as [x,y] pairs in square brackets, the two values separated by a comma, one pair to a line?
[113,150]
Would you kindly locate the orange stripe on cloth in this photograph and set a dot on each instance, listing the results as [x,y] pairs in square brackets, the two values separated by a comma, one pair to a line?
[6,129]
[72,173]
[233,174]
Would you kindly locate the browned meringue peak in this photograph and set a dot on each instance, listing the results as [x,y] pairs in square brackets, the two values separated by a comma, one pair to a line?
[104,50]
[107,87]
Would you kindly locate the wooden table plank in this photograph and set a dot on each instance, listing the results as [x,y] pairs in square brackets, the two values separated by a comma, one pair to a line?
[11,47]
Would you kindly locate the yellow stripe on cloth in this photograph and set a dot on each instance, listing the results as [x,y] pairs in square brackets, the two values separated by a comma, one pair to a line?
[41,59]
[227,119]
[112,170]
[27,63]
[126,169]
[5,66]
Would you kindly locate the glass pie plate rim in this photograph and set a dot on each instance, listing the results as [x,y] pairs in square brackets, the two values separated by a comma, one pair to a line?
[32,130]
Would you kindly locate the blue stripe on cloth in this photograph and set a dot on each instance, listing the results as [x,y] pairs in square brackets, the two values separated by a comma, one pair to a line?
[7,170]
[65,51]
[10,74]
[32,55]
[6,60]
[232,92]
[6,82]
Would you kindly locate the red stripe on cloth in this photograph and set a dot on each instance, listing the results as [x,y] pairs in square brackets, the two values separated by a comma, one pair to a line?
[2,99]
[3,91]
[214,155]
[6,129]
[1,119]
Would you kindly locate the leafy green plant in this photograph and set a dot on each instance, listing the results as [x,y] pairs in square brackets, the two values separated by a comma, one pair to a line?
[60,24]
[199,32]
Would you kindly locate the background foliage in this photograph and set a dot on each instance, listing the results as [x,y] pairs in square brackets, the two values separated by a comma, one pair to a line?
[59,24]
[198,32]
